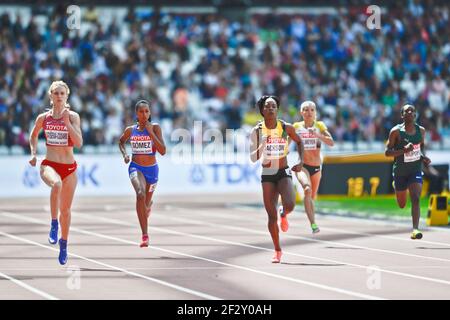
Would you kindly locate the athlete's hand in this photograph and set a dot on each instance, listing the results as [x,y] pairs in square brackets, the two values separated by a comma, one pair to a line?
[408,148]
[426,161]
[33,161]
[126,158]
[313,132]
[298,167]
[66,115]
[263,141]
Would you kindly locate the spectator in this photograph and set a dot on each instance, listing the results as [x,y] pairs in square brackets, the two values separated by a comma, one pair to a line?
[204,66]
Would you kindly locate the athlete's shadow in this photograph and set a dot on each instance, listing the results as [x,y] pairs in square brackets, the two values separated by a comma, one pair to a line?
[97,270]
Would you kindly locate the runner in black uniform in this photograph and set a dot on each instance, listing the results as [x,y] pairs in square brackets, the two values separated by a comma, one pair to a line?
[406,143]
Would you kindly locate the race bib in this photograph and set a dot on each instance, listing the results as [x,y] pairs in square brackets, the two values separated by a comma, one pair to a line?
[57,135]
[141,144]
[275,148]
[413,155]
[309,140]
[133,173]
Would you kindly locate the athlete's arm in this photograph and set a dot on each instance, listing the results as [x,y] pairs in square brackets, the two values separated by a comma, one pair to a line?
[34,137]
[124,138]
[300,148]
[72,121]
[425,159]
[392,141]
[157,137]
[326,137]
[256,147]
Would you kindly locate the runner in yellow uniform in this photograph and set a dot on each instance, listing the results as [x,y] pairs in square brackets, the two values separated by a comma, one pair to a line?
[269,143]
[312,133]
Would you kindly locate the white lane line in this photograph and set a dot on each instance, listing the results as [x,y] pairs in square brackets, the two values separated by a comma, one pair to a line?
[28,287]
[280,267]
[99,235]
[362,220]
[327,217]
[138,275]
[344,231]
[190,220]
[118,222]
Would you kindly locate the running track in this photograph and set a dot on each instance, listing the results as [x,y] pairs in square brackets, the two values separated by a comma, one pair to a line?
[203,248]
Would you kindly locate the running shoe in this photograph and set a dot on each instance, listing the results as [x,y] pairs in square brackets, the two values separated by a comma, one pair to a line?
[145,241]
[416,234]
[284,224]
[315,228]
[277,257]
[62,251]
[53,235]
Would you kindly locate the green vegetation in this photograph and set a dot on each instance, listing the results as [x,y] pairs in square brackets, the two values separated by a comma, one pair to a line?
[369,206]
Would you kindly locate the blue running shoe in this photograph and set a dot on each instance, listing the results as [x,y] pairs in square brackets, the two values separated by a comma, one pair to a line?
[62,251]
[53,235]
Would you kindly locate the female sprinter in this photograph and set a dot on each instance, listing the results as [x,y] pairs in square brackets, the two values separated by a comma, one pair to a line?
[145,138]
[269,142]
[406,144]
[62,133]
[312,132]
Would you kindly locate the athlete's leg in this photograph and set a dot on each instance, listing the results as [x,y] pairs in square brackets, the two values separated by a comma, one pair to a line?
[304,179]
[415,189]
[286,189]
[270,196]
[139,183]
[149,189]
[67,192]
[400,186]
[53,180]
[401,198]
[315,183]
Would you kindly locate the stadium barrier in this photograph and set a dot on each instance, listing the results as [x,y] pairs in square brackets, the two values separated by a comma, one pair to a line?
[107,175]
[438,210]
[370,175]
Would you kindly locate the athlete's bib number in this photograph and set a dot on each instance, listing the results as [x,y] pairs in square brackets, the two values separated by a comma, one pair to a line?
[309,140]
[275,148]
[142,146]
[413,155]
[57,138]
[310,143]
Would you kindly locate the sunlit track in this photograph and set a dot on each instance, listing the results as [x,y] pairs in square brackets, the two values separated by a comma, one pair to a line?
[200,251]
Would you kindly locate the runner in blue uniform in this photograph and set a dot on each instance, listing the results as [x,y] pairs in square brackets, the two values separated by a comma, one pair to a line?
[145,138]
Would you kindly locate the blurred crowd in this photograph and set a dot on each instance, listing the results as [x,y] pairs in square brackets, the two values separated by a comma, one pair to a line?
[210,68]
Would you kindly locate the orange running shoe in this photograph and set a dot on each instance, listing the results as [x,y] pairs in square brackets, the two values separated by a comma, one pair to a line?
[145,241]
[277,257]
[284,224]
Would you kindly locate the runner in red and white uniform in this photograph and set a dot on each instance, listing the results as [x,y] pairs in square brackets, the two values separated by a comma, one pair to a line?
[62,133]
